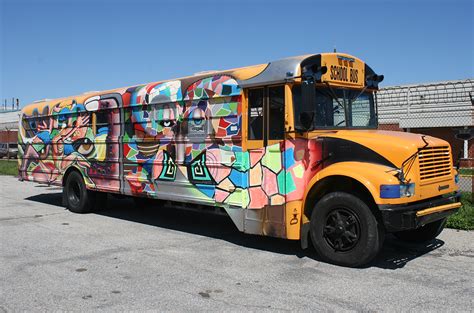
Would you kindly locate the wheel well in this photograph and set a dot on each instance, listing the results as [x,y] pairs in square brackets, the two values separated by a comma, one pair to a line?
[340,183]
[68,172]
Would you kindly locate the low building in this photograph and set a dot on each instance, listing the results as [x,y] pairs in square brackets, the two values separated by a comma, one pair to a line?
[441,109]
[9,126]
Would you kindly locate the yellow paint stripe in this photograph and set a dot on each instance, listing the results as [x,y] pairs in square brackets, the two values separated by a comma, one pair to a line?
[438,209]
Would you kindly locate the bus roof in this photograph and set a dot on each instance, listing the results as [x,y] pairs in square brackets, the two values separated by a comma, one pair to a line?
[274,72]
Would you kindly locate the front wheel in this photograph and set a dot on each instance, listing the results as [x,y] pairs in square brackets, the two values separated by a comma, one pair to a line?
[425,233]
[344,230]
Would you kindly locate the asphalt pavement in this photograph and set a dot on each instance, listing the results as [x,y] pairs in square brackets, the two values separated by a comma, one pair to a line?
[126,258]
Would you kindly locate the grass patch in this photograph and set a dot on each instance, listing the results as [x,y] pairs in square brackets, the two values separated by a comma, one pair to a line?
[464,217]
[9,167]
[466,171]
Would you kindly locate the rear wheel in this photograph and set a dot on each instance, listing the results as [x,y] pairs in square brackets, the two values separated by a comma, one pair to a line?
[344,231]
[424,233]
[78,198]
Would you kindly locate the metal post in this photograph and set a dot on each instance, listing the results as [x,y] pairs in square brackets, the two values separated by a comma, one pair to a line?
[466,149]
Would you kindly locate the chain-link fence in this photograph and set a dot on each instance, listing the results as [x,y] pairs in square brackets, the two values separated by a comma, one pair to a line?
[443,109]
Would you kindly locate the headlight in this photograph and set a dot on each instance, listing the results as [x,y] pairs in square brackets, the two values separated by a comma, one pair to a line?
[397,191]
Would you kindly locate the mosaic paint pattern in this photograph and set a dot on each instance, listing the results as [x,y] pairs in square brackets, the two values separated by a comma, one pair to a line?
[171,140]
[164,133]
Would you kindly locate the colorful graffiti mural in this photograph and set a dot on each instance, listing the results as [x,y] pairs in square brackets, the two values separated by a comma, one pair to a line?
[63,135]
[165,140]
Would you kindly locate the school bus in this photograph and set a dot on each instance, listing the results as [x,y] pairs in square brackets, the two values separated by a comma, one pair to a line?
[288,149]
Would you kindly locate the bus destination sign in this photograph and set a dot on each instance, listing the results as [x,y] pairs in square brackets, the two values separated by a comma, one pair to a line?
[343,70]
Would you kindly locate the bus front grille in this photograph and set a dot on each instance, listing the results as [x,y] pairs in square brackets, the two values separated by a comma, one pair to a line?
[435,162]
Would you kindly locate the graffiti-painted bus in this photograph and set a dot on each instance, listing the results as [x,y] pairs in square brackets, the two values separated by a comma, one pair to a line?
[288,149]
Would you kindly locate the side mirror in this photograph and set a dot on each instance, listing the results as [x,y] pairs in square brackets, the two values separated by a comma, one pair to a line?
[306,119]
[464,134]
[373,80]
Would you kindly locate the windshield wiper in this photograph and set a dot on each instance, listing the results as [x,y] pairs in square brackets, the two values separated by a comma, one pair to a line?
[334,96]
[346,108]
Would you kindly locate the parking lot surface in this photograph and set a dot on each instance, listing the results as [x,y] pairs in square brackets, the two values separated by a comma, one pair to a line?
[129,258]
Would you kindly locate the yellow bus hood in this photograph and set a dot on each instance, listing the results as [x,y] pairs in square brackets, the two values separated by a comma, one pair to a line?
[394,146]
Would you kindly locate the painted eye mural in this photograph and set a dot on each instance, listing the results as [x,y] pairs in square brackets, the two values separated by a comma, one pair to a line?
[84,146]
[167,123]
[167,116]
[151,117]
[195,122]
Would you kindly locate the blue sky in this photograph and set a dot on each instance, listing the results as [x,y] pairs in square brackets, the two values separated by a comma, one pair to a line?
[58,48]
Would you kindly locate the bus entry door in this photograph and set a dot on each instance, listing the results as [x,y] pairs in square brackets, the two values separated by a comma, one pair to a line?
[265,144]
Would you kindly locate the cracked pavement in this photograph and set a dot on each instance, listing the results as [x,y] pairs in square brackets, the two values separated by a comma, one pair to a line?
[126,258]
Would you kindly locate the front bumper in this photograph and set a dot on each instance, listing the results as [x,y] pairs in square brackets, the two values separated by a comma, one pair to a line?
[401,217]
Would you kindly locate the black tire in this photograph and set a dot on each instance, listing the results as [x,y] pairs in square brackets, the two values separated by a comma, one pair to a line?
[425,233]
[344,231]
[78,198]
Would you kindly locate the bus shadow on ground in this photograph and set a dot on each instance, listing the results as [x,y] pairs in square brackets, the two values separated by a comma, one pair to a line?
[394,254]
[48,198]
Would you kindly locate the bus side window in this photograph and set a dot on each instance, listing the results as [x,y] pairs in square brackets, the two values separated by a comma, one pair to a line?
[101,122]
[297,105]
[255,114]
[276,112]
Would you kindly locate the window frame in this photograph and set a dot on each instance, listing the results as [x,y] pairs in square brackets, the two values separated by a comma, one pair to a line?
[263,114]
[265,141]
[95,119]
[373,109]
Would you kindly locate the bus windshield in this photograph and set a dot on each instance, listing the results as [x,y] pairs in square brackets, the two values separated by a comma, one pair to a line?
[336,108]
